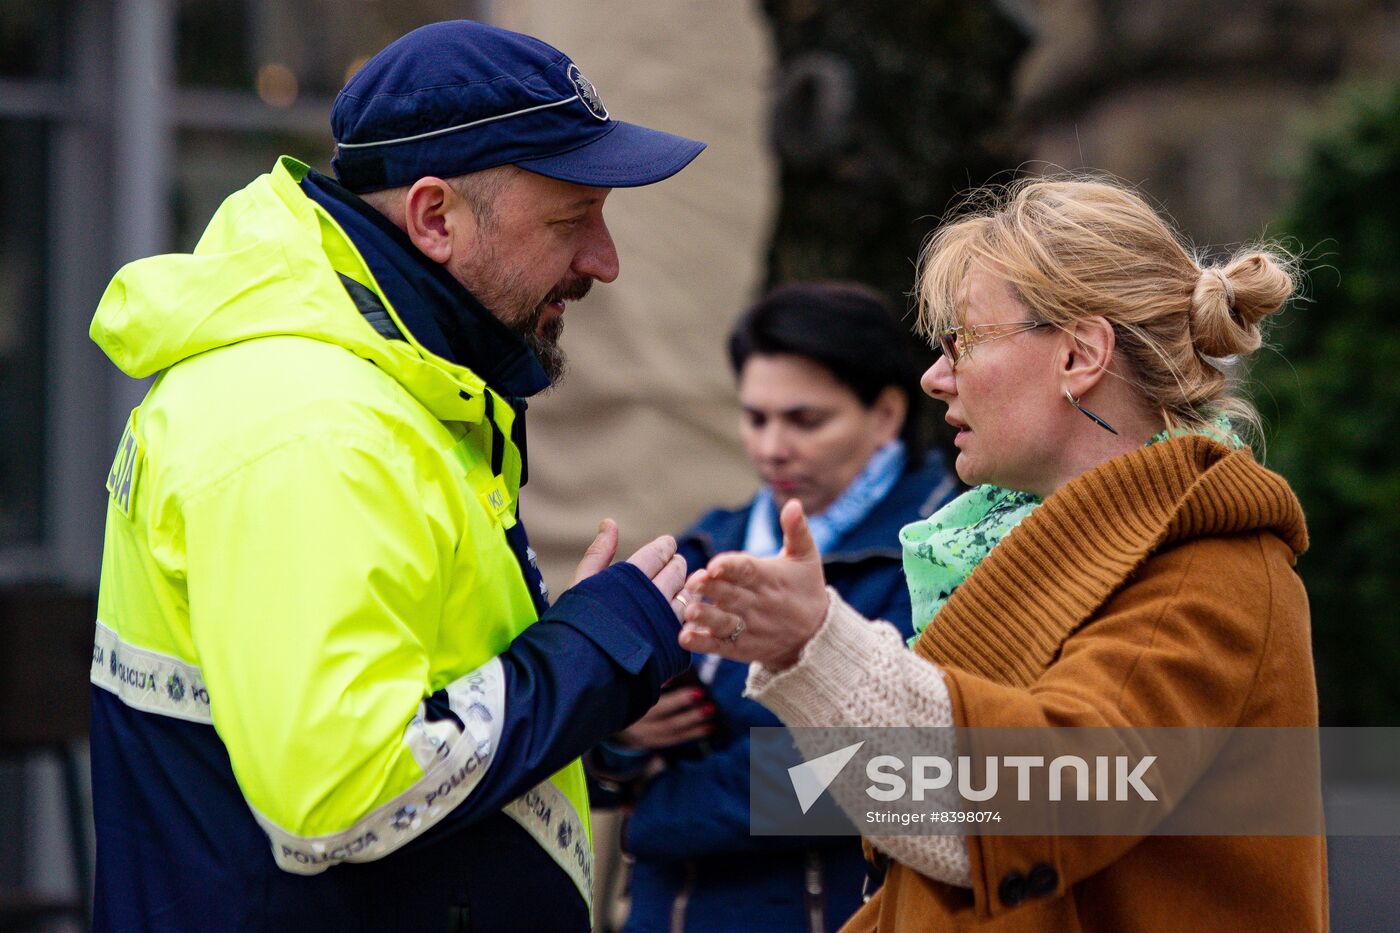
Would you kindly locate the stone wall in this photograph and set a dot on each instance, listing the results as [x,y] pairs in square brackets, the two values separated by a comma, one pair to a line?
[1203,104]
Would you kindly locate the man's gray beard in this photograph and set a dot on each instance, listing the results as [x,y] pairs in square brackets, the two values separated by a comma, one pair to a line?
[553,360]
[499,292]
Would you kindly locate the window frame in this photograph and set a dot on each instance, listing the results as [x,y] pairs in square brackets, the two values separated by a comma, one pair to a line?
[114,120]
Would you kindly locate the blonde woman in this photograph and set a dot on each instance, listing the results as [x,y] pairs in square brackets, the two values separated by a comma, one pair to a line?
[1121,561]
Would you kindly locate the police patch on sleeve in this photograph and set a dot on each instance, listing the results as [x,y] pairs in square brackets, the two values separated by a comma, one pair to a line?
[587,93]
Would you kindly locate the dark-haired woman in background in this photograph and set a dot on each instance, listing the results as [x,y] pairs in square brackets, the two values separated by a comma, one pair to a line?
[829,398]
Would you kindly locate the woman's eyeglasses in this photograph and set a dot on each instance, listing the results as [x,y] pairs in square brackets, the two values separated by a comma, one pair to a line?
[959,341]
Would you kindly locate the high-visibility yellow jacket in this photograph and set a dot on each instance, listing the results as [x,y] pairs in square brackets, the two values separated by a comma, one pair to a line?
[310,599]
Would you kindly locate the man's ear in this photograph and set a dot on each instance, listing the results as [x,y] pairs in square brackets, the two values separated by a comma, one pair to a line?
[430,221]
[1088,351]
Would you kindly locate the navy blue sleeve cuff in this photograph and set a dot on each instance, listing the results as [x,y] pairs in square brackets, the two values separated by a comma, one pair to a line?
[637,623]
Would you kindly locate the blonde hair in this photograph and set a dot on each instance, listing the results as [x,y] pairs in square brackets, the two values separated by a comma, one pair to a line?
[1079,247]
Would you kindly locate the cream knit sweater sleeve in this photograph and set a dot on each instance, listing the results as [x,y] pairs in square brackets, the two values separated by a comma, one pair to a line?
[855,672]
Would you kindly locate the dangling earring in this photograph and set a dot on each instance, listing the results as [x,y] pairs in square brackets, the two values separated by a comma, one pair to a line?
[1089,414]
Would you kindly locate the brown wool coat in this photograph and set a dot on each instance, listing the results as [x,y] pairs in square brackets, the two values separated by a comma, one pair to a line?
[1155,590]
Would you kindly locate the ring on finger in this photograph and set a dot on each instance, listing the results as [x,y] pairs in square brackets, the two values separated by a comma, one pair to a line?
[734,635]
[684,600]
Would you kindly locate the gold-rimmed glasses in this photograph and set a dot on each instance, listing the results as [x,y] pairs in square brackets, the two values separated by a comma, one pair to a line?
[959,341]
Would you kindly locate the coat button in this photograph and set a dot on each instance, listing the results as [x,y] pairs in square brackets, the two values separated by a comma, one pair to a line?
[1012,889]
[1042,880]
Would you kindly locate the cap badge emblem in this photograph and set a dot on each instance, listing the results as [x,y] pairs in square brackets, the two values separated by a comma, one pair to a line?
[587,93]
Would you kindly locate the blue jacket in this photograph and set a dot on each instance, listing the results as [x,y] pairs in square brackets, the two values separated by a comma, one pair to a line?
[689,830]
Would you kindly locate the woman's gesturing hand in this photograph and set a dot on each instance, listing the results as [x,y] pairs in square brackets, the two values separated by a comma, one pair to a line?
[754,609]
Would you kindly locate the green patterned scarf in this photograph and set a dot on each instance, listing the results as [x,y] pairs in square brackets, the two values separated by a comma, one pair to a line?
[941,550]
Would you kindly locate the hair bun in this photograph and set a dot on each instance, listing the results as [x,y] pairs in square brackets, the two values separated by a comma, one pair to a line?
[1230,301]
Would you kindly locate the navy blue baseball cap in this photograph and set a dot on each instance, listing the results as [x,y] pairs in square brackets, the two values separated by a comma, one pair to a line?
[460,96]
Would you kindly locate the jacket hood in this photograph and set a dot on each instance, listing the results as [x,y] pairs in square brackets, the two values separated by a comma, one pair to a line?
[267,265]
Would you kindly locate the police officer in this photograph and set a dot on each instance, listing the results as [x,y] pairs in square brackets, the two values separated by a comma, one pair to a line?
[329,691]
